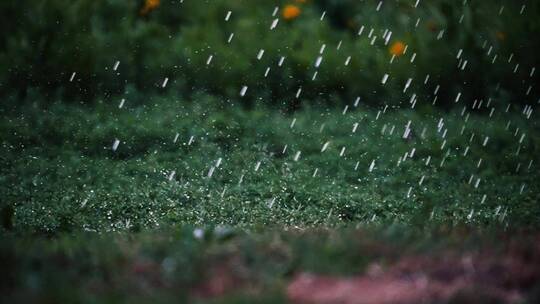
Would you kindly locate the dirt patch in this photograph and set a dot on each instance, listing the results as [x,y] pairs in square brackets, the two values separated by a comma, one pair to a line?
[472,278]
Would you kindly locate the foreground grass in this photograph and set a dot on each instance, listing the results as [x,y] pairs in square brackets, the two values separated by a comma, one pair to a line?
[262,168]
[218,265]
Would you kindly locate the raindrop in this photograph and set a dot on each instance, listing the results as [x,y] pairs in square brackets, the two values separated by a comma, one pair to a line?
[211,171]
[260,54]
[407,84]
[243,91]
[384,79]
[297,156]
[293,123]
[372,166]
[318,61]
[477,183]
[469,217]
[379,6]
[361,30]
[274,24]
[298,92]
[115,144]
[325,146]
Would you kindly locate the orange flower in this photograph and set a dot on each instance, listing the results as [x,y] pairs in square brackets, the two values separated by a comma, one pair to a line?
[149,5]
[290,11]
[397,48]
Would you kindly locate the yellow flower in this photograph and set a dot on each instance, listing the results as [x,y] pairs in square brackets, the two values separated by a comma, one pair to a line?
[149,5]
[397,48]
[290,11]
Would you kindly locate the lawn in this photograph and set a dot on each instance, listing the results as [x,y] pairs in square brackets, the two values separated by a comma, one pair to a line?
[270,151]
[202,164]
[204,200]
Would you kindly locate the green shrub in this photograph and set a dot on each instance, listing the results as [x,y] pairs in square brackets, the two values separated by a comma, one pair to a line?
[49,40]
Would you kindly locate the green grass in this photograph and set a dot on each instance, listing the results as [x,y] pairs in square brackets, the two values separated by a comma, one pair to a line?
[83,223]
[60,174]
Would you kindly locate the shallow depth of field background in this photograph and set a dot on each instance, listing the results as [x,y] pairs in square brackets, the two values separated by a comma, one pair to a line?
[47,41]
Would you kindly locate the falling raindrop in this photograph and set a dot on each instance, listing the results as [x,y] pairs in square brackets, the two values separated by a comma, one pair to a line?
[379,5]
[325,146]
[274,24]
[260,54]
[115,145]
[372,166]
[384,79]
[243,91]
[297,156]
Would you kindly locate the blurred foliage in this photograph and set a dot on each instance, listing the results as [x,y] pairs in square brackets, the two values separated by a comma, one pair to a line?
[46,41]
[171,265]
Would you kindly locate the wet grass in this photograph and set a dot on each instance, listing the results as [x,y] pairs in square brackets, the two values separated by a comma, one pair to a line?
[84,223]
[59,173]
